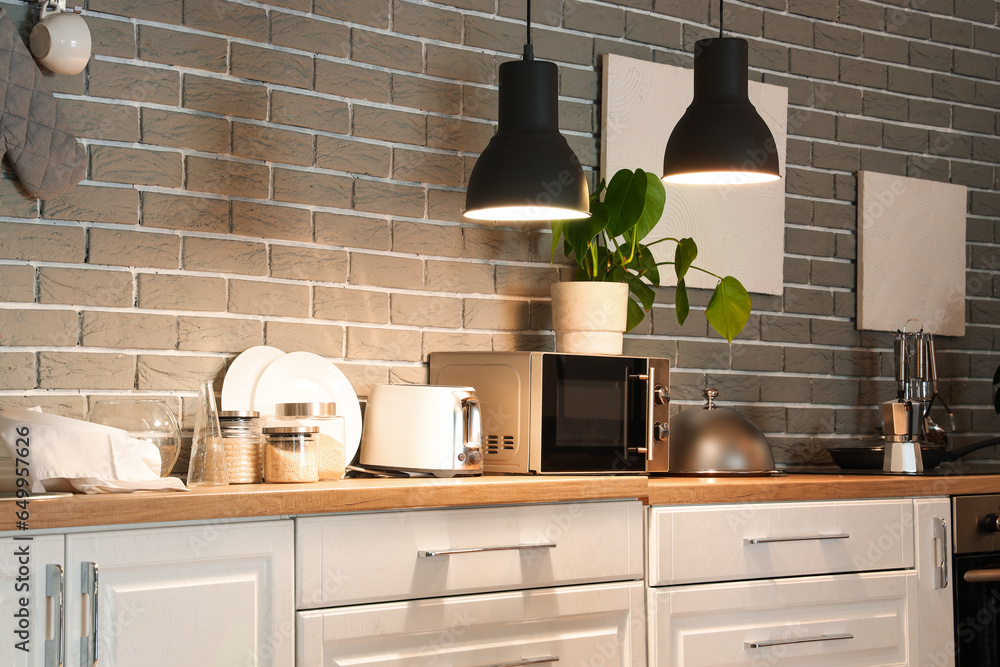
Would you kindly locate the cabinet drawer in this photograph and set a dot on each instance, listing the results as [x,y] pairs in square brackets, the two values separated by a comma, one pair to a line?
[844,620]
[579,625]
[732,542]
[358,558]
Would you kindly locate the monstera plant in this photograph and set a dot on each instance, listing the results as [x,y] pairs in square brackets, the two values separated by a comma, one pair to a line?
[608,247]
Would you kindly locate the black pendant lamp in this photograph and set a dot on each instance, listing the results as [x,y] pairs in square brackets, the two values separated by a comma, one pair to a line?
[528,171]
[720,139]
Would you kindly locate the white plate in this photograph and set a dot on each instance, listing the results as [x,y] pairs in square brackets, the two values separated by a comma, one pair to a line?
[241,378]
[304,377]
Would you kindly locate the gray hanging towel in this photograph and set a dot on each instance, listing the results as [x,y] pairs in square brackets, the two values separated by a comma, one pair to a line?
[33,132]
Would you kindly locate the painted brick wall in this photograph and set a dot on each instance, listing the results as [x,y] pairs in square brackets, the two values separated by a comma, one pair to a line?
[291,173]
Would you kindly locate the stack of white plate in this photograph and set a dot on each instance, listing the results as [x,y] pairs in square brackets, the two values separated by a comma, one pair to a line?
[263,376]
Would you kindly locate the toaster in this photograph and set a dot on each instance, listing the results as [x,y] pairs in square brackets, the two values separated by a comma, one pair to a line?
[423,429]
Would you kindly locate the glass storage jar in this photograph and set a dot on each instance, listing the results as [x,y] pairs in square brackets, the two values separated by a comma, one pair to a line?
[244,444]
[331,432]
[291,454]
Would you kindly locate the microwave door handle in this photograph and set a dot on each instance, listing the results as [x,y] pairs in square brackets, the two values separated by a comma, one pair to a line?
[650,378]
[650,404]
[628,382]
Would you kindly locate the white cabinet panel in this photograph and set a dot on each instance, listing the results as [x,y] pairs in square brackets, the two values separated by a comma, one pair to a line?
[935,628]
[361,558]
[218,595]
[853,620]
[757,541]
[579,625]
[23,565]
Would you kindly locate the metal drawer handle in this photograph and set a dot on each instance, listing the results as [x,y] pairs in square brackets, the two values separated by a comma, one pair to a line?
[541,660]
[804,538]
[54,590]
[475,550]
[88,585]
[982,576]
[804,640]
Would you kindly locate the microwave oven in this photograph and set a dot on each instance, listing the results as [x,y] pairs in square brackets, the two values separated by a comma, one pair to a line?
[547,412]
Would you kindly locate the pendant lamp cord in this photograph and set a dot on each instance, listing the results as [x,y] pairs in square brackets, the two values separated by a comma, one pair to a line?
[720,17]
[529,53]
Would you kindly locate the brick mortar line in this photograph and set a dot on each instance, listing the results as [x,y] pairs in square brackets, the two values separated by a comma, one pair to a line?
[834,260]
[253,317]
[136,270]
[427,186]
[765,40]
[799,225]
[444,151]
[819,170]
[929,128]
[562,29]
[762,39]
[839,260]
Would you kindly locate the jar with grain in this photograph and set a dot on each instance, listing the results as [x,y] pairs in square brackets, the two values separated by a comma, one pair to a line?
[291,454]
[331,432]
[244,445]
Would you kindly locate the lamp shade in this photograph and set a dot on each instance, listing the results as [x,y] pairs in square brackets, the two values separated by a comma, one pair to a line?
[527,171]
[721,139]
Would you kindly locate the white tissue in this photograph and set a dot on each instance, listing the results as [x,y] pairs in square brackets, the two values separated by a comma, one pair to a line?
[73,455]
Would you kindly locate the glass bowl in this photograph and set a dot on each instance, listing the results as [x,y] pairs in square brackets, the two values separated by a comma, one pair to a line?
[145,419]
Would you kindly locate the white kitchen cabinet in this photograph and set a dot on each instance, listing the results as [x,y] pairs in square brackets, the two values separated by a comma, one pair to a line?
[830,583]
[212,594]
[936,619]
[849,620]
[557,583]
[574,625]
[36,578]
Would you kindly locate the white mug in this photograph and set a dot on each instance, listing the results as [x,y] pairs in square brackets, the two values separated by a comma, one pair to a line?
[61,42]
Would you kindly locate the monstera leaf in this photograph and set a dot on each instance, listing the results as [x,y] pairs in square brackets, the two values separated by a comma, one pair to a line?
[729,308]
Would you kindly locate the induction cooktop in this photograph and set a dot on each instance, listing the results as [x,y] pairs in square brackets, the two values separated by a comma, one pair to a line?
[945,469]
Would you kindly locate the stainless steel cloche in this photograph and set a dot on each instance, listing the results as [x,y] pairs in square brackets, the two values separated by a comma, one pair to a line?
[713,440]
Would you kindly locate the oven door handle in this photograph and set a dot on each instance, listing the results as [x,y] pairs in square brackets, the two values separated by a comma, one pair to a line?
[986,575]
[941,561]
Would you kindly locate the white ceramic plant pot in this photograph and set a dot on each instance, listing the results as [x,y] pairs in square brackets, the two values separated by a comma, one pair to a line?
[589,317]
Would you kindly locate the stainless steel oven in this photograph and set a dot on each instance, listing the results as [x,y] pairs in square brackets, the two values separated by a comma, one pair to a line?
[976,567]
[545,412]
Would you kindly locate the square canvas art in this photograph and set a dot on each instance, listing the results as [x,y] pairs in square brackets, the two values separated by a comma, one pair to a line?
[911,254]
[739,229]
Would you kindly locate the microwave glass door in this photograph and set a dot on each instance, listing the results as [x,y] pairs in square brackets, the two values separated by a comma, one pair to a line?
[588,409]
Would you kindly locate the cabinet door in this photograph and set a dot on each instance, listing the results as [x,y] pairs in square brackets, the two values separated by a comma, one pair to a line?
[31,571]
[577,625]
[936,633]
[848,620]
[217,594]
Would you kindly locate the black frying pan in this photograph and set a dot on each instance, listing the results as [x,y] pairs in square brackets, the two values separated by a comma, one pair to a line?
[870,456]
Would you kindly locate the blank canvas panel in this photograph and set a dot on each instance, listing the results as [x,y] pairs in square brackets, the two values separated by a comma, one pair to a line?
[739,229]
[911,254]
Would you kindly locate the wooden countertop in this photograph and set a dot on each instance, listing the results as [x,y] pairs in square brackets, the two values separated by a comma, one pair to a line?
[358,495]
[794,486]
[349,495]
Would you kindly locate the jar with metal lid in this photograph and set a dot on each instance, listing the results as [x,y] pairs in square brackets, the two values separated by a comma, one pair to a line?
[244,445]
[331,432]
[291,454]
